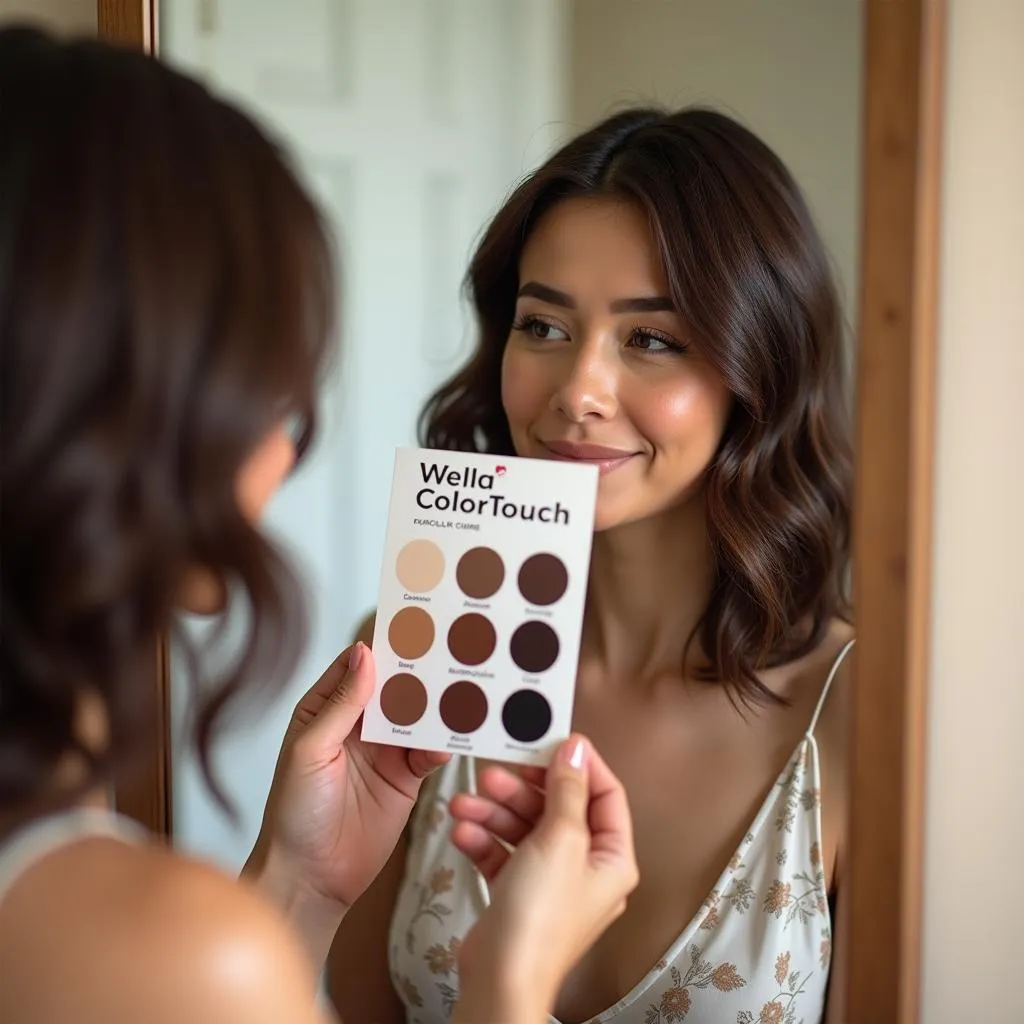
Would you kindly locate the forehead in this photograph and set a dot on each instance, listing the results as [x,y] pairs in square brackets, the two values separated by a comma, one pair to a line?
[594,246]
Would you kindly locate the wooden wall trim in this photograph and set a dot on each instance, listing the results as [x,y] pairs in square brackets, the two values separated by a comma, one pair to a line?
[147,796]
[905,57]
[129,22]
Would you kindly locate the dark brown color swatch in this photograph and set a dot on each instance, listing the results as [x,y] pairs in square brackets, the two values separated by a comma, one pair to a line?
[411,633]
[534,647]
[480,573]
[543,579]
[463,707]
[526,716]
[471,639]
[403,699]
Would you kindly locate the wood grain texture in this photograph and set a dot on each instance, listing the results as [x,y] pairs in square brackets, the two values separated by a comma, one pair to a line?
[893,504]
[128,22]
[147,796]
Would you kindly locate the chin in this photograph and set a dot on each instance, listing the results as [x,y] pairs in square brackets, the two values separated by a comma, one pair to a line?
[608,517]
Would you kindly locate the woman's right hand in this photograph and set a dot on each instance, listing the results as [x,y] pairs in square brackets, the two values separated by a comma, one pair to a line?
[567,879]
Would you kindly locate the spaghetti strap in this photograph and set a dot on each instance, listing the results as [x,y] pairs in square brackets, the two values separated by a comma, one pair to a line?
[828,683]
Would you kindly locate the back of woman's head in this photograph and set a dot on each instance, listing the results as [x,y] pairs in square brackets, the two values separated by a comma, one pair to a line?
[750,277]
[165,302]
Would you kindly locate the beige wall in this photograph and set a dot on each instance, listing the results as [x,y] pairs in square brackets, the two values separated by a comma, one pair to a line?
[57,15]
[974,880]
[789,69]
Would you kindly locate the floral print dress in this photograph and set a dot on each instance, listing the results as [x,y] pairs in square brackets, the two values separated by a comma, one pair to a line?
[757,952]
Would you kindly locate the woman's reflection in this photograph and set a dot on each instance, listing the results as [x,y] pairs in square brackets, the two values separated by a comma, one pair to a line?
[656,299]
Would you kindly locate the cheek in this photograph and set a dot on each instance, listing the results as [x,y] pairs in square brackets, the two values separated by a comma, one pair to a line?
[264,473]
[525,390]
[687,414]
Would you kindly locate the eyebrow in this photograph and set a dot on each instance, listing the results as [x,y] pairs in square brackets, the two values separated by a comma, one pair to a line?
[645,304]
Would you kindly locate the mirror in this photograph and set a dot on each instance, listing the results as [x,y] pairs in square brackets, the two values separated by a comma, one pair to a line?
[412,120]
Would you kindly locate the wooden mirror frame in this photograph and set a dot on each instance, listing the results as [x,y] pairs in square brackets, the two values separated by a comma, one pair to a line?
[904,57]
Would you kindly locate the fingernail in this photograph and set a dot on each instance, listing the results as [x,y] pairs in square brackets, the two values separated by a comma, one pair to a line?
[355,659]
[574,754]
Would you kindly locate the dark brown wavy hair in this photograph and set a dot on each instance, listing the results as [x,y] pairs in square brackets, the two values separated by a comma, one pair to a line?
[166,300]
[750,276]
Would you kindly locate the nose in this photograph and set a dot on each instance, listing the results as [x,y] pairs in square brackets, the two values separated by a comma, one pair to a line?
[590,384]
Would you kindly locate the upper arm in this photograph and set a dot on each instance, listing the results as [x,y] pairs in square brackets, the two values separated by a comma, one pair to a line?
[131,935]
[245,965]
[834,733]
[357,976]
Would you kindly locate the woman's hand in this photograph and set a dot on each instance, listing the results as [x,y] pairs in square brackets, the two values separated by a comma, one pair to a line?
[568,878]
[337,805]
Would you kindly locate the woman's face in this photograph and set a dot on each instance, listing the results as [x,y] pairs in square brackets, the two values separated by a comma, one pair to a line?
[258,480]
[264,472]
[598,367]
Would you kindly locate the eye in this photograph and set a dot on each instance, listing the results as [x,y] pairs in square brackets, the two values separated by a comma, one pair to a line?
[541,330]
[647,340]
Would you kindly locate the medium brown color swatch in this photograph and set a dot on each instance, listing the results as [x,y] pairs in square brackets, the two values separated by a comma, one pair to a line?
[543,579]
[411,633]
[463,707]
[403,699]
[480,573]
[534,647]
[471,639]
[419,566]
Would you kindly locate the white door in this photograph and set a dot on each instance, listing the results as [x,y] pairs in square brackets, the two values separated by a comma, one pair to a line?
[410,119]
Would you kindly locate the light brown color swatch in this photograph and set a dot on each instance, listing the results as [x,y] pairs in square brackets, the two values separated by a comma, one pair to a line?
[411,633]
[419,566]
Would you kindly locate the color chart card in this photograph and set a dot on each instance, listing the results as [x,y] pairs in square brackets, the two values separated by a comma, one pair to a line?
[480,610]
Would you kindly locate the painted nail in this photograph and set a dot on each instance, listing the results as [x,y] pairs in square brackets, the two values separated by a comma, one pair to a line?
[574,756]
[356,657]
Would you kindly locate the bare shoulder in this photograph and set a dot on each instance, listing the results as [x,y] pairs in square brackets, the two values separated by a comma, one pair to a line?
[832,736]
[364,631]
[141,934]
[836,660]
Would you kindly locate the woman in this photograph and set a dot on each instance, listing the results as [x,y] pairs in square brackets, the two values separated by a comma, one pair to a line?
[656,299]
[165,304]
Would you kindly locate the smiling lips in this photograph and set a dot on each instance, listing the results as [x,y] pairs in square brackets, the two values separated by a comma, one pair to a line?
[606,459]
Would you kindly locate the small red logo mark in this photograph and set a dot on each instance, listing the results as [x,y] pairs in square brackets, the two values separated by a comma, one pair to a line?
[500,470]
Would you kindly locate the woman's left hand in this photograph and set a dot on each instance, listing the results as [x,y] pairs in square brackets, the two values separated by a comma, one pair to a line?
[337,805]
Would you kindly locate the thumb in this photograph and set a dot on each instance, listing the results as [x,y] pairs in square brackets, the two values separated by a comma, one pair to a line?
[566,790]
[343,708]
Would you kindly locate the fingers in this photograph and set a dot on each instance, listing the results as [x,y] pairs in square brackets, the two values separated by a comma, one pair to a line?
[313,700]
[476,843]
[513,791]
[566,787]
[583,792]
[346,688]
[424,762]
[494,817]
[609,817]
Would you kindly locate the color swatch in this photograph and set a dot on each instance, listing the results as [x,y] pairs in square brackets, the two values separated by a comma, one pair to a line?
[543,579]
[534,647]
[463,707]
[480,608]
[411,633]
[472,639]
[480,573]
[403,699]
